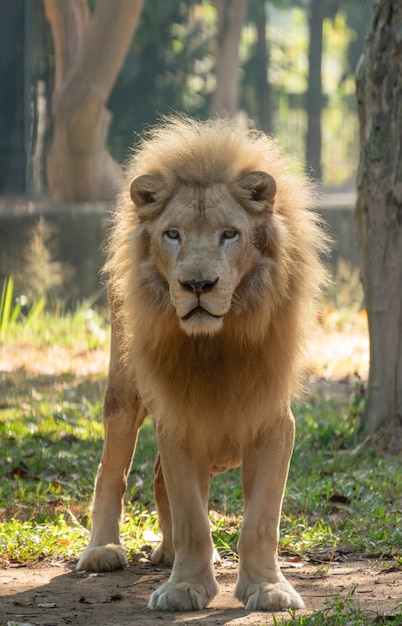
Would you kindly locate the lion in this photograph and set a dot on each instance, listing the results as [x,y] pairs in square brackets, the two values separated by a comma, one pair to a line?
[213,273]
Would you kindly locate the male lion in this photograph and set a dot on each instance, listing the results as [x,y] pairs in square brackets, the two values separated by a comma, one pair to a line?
[213,267]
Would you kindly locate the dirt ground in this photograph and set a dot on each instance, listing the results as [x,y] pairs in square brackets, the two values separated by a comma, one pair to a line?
[56,595]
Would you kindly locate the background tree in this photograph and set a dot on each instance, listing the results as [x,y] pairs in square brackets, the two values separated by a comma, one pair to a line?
[256,91]
[379,210]
[314,95]
[171,66]
[168,68]
[230,16]
[23,36]
[89,51]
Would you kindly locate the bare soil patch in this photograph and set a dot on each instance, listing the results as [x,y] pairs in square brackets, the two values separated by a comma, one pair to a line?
[50,595]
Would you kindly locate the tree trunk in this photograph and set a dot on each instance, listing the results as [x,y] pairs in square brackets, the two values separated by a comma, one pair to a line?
[89,51]
[379,211]
[231,15]
[263,86]
[314,88]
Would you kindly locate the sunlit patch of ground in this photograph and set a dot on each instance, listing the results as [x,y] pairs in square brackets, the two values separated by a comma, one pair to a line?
[54,360]
[338,349]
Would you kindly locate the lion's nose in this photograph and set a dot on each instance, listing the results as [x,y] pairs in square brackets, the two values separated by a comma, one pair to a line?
[199,286]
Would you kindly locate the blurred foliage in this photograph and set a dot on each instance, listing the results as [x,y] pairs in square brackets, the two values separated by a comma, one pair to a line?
[171,63]
[165,70]
[170,67]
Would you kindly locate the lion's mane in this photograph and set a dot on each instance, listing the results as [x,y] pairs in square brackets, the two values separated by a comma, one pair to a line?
[228,383]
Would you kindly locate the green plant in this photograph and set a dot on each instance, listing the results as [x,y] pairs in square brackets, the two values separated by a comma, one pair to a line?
[8,312]
[12,313]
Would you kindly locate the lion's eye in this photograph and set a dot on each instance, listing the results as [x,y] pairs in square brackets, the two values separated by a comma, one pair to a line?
[229,233]
[172,233]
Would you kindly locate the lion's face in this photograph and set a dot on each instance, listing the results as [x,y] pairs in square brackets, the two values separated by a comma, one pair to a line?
[203,255]
[203,243]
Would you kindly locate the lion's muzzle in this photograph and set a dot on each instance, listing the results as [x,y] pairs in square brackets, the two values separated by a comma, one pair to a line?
[198,311]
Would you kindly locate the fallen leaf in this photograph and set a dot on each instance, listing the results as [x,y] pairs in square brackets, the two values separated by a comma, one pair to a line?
[63,542]
[339,499]
[292,562]
[113,598]
[18,472]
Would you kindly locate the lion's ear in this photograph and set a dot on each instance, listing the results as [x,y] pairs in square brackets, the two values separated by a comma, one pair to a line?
[257,191]
[148,192]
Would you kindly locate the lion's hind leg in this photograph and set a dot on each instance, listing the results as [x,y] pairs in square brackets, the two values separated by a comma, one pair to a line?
[164,553]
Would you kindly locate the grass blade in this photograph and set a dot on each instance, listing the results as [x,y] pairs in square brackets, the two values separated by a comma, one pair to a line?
[5,304]
[36,310]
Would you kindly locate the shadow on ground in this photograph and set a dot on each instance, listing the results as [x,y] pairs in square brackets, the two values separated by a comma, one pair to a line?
[50,595]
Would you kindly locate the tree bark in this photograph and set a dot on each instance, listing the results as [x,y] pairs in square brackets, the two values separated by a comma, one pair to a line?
[231,14]
[379,211]
[314,88]
[89,51]
[263,86]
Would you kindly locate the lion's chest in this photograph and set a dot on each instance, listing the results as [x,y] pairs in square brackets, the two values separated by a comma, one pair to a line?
[216,395]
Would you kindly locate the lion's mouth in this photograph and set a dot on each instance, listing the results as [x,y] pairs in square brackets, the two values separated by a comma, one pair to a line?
[199,310]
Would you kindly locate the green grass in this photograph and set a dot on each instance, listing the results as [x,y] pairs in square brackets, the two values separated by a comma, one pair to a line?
[341,496]
[340,611]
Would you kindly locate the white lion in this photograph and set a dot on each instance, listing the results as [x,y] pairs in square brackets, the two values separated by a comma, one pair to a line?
[213,270]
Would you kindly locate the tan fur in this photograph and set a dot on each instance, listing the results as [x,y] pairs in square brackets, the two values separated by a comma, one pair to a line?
[215,217]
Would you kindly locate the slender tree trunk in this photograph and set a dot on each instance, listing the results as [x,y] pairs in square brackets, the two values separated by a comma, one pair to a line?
[379,211]
[263,86]
[314,89]
[89,51]
[231,14]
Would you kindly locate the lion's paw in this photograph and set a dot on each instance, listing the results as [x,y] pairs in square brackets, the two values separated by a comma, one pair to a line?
[179,597]
[105,558]
[216,557]
[162,554]
[270,597]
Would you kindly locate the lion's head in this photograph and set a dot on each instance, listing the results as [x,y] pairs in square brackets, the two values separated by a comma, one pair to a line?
[213,234]
[204,240]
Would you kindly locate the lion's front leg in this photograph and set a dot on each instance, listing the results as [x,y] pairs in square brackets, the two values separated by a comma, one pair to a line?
[192,583]
[104,551]
[261,586]
[123,414]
